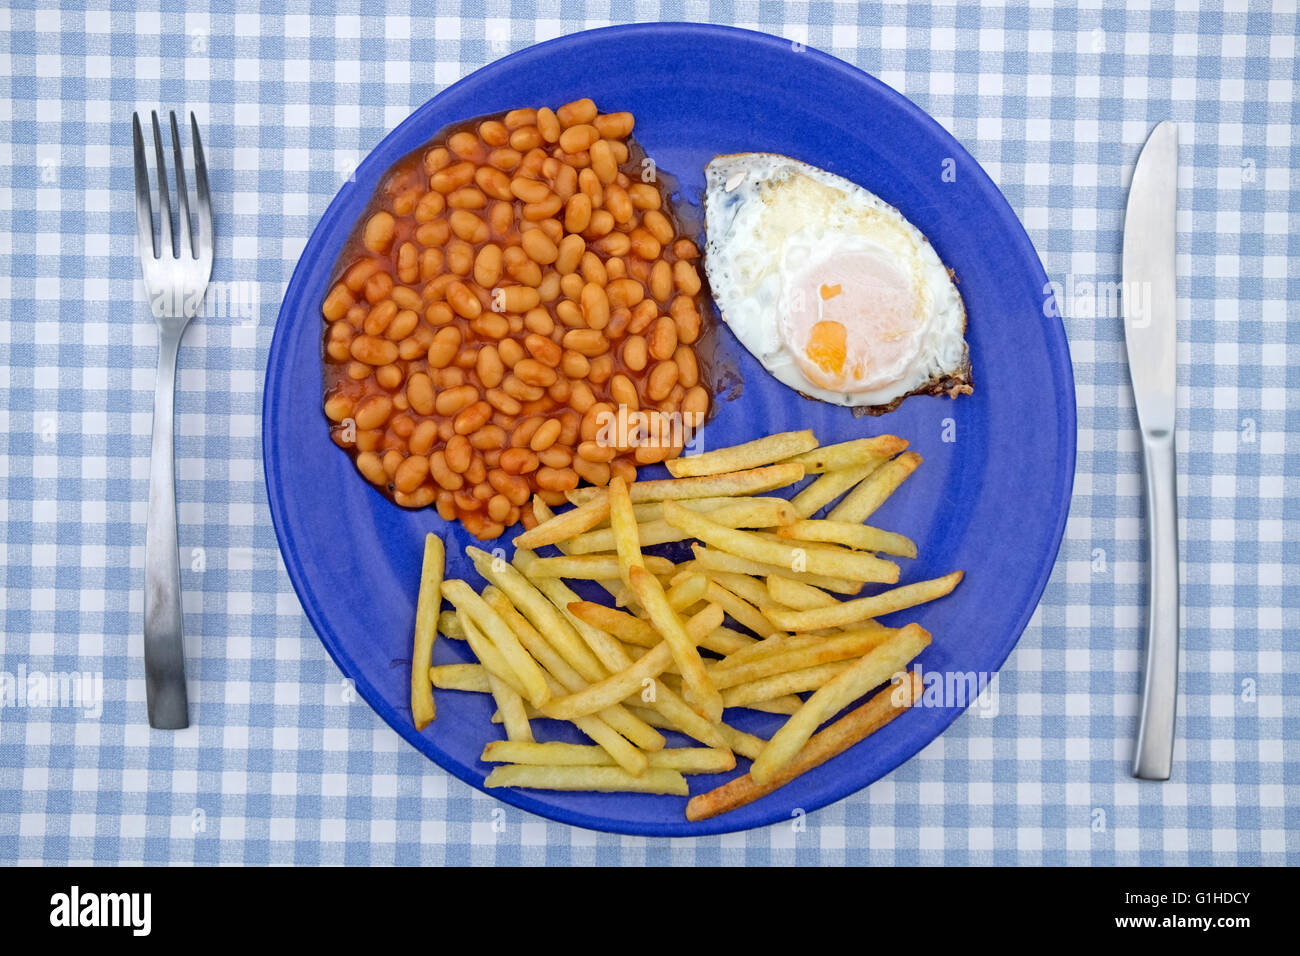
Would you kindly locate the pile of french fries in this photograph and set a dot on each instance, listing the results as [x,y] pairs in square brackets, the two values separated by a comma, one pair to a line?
[664,654]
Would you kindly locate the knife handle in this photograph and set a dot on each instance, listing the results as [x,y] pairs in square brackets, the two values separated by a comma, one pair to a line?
[1154,757]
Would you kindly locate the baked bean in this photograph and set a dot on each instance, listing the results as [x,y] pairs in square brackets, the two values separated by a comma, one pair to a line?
[372,467]
[548,124]
[537,211]
[588,342]
[458,454]
[338,302]
[525,138]
[378,288]
[577,138]
[521,117]
[493,132]
[556,479]
[505,159]
[603,163]
[503,402]
[493,182]
[545,436]
[489,366]
[472,418]
[467,197]
[615,244]
[511,352]
[642,316]
[514,487]
[661,380]
[616,201]
[614,125]
[645,246]
[644,196]
[373,412]
[696,400]
[451,401]
[529,190]
[595,306]
[687,318]
[581,397]
[662,341]
[491,325]
[378,319]
[373,351]
[357,276]
[411,473]
[687,278]
[467,226]
[379,231]
[452,178]
[602,367]
[487,265]
[601,224]
[459,259]
[518,461]
[465,145]
[557,456]
[592,420]
[634,352]
[402,325]
[615,266]
[592,472]
[539,247]
[579,111]
[574,364]
[532,372]
[518,389]
[658,225]
[422,439]
[433,234]
[543,349]
[442,474]
[338,407]
[661,281]
[624,392]
[519,298]
[625,292]
[443,348]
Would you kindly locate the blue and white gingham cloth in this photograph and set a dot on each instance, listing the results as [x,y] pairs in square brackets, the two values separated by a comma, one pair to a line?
[288,766]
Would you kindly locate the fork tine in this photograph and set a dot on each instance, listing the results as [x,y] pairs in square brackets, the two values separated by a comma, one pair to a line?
[164,203]
[143,208]
[182,193]
[203,193]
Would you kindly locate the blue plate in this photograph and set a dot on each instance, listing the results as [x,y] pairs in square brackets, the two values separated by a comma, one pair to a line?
[991,497]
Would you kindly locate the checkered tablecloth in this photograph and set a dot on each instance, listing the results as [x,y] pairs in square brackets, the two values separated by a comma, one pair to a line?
[287,766]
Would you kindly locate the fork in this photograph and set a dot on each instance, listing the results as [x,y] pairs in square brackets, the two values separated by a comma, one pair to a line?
[175,281]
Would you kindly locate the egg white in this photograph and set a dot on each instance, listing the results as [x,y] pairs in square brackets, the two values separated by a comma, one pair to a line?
[767,217]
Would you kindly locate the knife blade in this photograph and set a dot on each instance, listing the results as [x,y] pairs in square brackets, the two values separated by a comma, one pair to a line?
[1150,337]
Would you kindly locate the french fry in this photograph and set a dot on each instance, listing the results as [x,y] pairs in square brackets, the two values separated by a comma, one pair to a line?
[449,625]
[622,525]
[540,611]
[849,454]
[725,561]
[467,601]
[632,678]
[562,527]
[754,481]
[762,451]
[654,510]
[859,504]
[598,779]
[796,595]
[859,609]
[844,646]
[554,754]
[626,627]
[829,487]
[637,731]
[467,677]
[427,603]
[781,685]
[707,702]
[689,590]
[511,706]
[819,559]
[872,669]
[493,661]
[849,730]
[607,650]
[740,610]
[743,513]
[738,741]
[852,535]
[592,567]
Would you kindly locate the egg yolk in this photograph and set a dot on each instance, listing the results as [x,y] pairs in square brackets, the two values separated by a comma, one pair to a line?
[851,322]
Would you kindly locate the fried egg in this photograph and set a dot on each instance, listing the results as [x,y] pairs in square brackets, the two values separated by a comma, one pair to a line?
[828,286]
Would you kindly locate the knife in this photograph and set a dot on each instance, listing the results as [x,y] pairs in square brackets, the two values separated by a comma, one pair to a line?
[1151,336]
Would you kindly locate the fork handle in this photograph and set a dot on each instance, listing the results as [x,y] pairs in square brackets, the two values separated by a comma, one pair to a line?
[1154,756]
[164,650]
